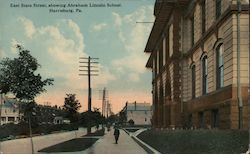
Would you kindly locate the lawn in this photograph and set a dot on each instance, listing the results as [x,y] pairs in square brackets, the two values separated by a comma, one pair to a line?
[74,145]
[197,141]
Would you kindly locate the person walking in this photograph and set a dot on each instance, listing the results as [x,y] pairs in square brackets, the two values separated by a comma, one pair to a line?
[116,134]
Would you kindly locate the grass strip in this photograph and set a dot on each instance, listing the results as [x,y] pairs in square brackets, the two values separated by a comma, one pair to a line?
[197,141]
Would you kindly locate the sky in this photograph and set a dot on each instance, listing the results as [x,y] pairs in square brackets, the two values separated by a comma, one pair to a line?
[58,39]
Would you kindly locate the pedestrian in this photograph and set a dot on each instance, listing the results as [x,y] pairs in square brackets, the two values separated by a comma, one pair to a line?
[108,126]
[116,134]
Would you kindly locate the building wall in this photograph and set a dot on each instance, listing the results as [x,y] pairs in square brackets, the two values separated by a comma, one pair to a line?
[210,13]
[244,49]
[185,81]
[172,111]
[197,23]
[9,115]
[140,117]
[228,33]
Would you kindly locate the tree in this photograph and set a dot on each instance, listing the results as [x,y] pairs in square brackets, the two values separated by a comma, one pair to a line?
[92,118]
[18,76]
[71,105]
[113,118]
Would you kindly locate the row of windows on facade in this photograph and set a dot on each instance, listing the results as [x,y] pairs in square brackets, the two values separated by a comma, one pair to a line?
[201,117]
[204,64]
[9,111]
[4,119]
[219,72]
[170,36]
[218,8]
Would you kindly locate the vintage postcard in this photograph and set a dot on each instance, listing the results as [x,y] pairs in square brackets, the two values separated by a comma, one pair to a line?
[124,76]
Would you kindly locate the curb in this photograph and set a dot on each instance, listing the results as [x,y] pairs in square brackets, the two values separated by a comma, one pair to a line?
[144,145]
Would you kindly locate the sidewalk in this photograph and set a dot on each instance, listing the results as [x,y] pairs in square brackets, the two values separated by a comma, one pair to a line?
[23,146]
[106,145]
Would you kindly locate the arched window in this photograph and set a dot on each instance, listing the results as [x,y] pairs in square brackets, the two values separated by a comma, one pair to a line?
[219,67]
[204,75]
[193,81]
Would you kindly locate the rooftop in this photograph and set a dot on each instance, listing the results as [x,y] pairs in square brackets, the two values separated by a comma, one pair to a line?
[139,107]
[9,102]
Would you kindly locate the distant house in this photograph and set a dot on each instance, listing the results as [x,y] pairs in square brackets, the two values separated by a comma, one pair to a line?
[58,120]
[61,120]
[138,113]
[9,111]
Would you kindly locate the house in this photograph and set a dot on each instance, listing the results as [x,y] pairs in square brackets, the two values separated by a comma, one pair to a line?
[9,111]
[199,57]
[139,113]
[61,120]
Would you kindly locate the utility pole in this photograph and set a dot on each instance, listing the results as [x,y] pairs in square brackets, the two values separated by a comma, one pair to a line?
[107,108]
[91,70]
[103,101]
[1,104]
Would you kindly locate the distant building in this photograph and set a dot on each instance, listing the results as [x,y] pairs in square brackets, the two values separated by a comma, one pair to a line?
[199,56]
[61,120]
[58,120]
[9,111]
[139,113]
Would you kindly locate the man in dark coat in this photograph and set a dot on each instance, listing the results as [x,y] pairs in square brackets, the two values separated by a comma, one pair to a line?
[116,134]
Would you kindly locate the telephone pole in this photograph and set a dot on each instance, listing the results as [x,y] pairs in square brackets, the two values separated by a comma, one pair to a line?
[103,101]
[91,70]
[108,108]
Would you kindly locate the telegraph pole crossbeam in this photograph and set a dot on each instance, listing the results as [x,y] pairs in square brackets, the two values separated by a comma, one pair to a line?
[91,70]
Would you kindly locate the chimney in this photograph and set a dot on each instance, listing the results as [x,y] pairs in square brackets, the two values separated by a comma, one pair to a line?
[135,105]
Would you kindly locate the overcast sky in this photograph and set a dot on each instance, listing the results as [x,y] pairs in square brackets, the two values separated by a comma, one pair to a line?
[57,40]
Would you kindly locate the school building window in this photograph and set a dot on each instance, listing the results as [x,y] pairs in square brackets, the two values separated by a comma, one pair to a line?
[215,118]
[219,67]
[193,81]
[201,119]
[204,75]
